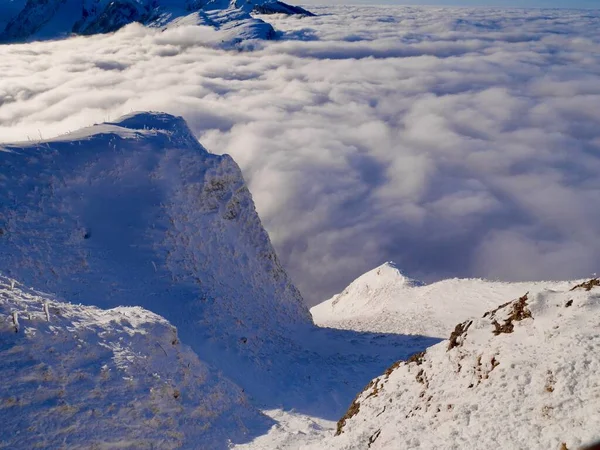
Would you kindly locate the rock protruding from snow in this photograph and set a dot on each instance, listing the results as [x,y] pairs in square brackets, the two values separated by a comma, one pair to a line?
[386,301]
[525,375]
[137,213]
[75,376]
[42,19]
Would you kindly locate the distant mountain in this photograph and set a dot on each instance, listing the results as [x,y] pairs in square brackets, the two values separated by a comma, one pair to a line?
[74,376]
[523,375]
[386,301]
[47,19]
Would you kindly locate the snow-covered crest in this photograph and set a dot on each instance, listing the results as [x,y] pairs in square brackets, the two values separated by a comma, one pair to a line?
[374,282]
[522,376]
[137,212]
[385,300]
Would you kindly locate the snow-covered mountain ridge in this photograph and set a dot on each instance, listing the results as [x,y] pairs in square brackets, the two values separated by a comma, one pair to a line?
[137,213]
[77,376]
[386,301]
[525,375]
[42,19]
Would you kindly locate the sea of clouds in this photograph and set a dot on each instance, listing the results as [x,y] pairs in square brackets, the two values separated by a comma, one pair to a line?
[456,142]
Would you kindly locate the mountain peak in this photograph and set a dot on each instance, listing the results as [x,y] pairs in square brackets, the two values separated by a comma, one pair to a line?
[380,278]
[143,120]
[390,272]
[385,300]
[369,292]
[136,212]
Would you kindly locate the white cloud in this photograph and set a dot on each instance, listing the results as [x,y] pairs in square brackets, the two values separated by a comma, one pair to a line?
[456,142]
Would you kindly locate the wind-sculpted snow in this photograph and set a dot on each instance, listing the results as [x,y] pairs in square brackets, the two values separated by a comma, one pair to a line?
[525,375]
[42,19]
[74,376]
[456,142]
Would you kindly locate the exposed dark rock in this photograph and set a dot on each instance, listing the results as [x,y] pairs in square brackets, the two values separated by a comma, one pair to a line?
[417,358]
[393,367]
[518,313]
[459,331]
[494,311]
[588,285]
[352,411]
[374,437]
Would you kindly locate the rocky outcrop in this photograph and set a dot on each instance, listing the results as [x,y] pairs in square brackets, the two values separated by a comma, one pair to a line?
[531,364]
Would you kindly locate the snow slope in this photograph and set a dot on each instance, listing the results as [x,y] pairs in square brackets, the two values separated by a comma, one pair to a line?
[384,300]
[47,19]
[74,376]
[525,375]
[137,213]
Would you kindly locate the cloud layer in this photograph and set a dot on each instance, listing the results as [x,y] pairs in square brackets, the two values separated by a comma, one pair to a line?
[456,142]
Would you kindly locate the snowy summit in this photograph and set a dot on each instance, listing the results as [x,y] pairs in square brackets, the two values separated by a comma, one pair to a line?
[136,212]
[386,301]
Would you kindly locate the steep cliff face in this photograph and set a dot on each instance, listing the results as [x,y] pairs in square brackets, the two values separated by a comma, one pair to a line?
[136,212]
[82,377]
[58,18]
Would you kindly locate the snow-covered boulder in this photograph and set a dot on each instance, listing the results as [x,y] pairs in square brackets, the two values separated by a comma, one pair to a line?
[137,213]
[74,376]
[386,301]
[525,375]
[43,19]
